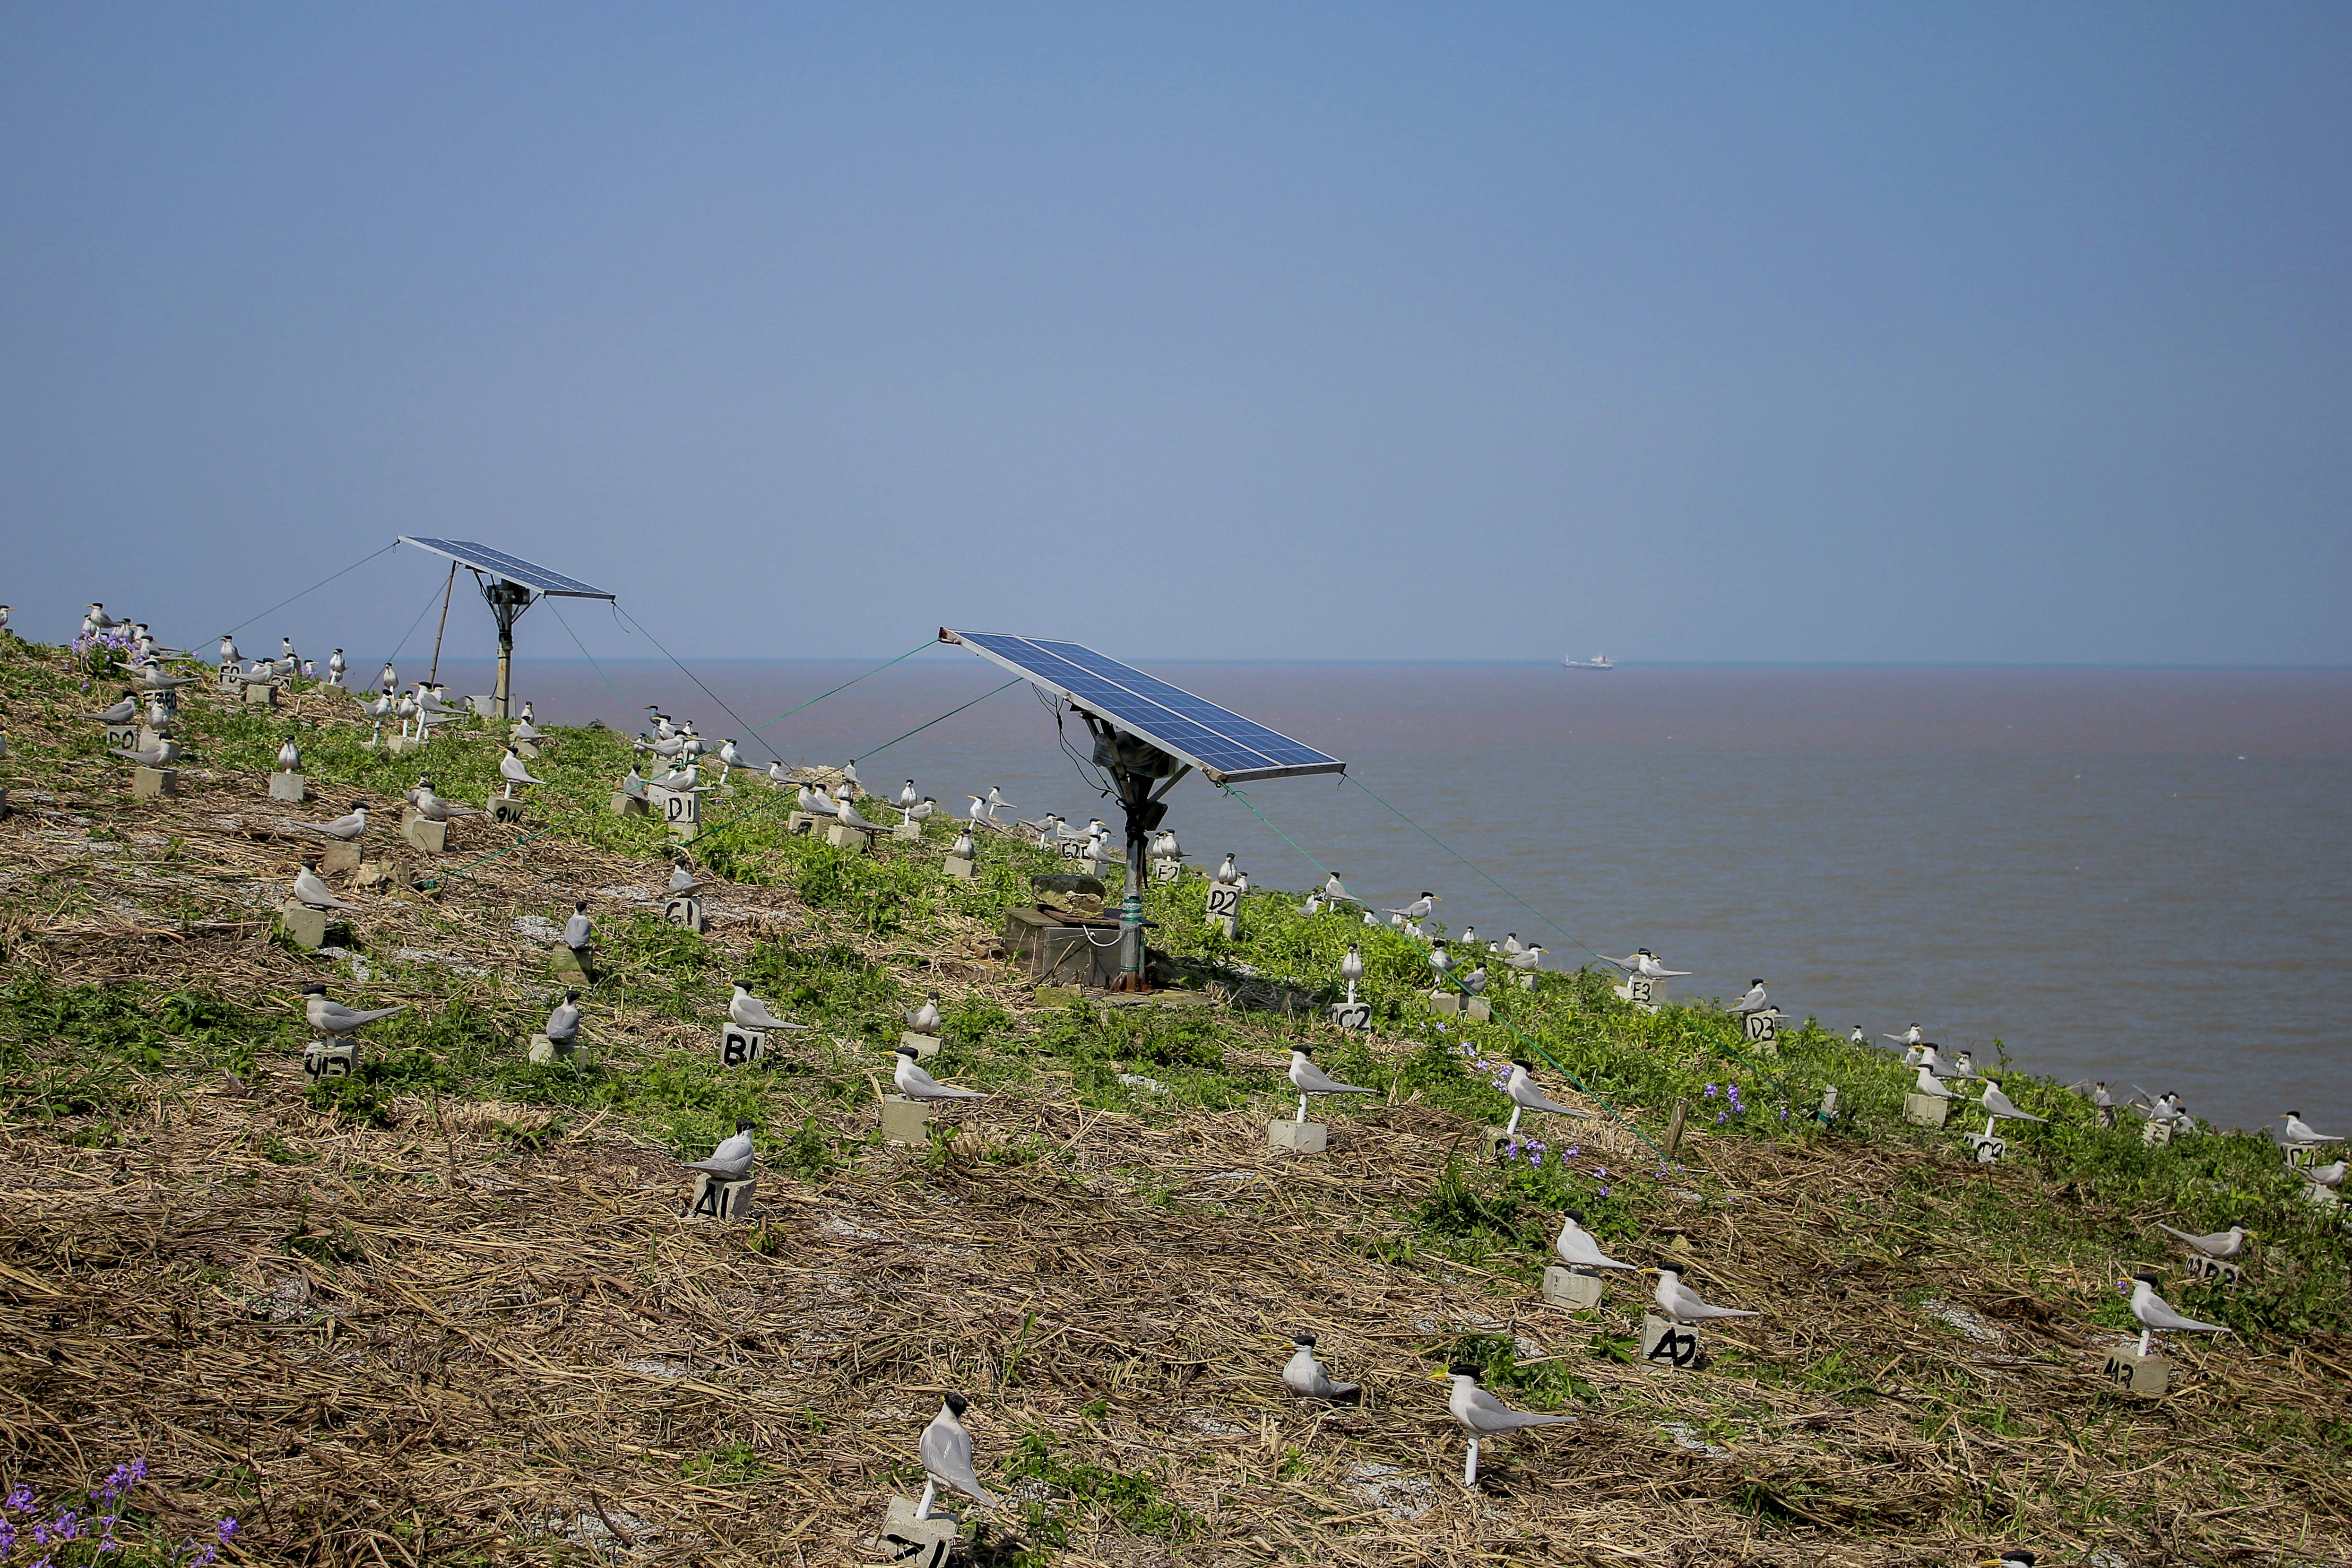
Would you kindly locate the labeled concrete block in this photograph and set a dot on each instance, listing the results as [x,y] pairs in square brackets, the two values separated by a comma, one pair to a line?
[1991,1150]
[502,809]
[1668,1344]
[1926,1109]
[1764,1029]
[908,1542]
[306,926]
[925,1046]
[1492,1140]
[2148,1376]
[800,823]
[1643,994]
[230,680]
[287,787]
[685,909]
[740,1046]
[544,1050]
[1527,979]
[1298,1137]
[626,804]
[1167,870]
[325,1059]
[906,1122]
[1575,1287]
[680,810]
[718,1197]
[2214,1269]
[2156,1134]
[124,737]
[425,834]
[1351,1015]
[1224,908]
[959,867]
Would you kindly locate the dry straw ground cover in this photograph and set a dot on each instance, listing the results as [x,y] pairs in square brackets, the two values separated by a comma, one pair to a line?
[449,1312]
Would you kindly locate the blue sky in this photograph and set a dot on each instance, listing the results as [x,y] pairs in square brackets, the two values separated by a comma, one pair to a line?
[1815,333]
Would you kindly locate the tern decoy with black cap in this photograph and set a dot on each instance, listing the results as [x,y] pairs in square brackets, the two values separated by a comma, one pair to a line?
[1755,1001]
[1526,1095]
[916,1084]
[1308,1080]
[1579,1248]
[2220,1243]
[579,931]
[1680,1302]
[1304,1375]
[924,1019]
[749,1012]
[121,712]
[312,890]
[510,769]
[731,1157]
[563,1023]
[2154,1315]
[1910,1037]
[962,848]
[1484,1416]
[2298,1130]
[1417,910]
[163,753]
[347,828]
[334,1017]
[947,1457]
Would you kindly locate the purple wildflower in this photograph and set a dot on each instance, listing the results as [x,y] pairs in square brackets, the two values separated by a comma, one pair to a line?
[19,1499]
[1710,1091]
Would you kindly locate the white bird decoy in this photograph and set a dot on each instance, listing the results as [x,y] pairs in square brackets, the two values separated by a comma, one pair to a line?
[682,880]
[1680,1302]
[1910,1037]
[289,757]
[1755,1001]
[1475,983]
[2220,1243]
[563,1023]
[1484,1416]
[1998,1108]
[1305,1376]
[336,666]
[1440,961]
[510,769]
[1511,947]
[1529,959]
[579,931]
[1309,1080]
[1228,873]
[346,827]
[924,1019]
[121,712]
[228,654]
[908,800]
[2329,1176]
[749,1012]
[390,680]
[1469,937]
[979,812]
[731,1157]
[947,1457]
[2298,1130]
[1334,892]
[334,1017]
[1931,1087]
[961,849]
[850,816]
[162,753]
[1525,1094]
[310,890]
[2155,1316]
[1351,968]
[1857,1037]
[1419,910]
[1313,905]
[1579,1248]
[997,803]
[916,1084]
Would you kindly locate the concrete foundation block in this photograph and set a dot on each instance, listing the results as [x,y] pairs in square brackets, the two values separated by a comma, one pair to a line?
[260,694]
[1478,1010]
[1298,1137]
[503,809]
[1492,1140]
[1926,1109]
[484,707]
[544,1050]
[1168,870]
[2321,1198]
[230,680]
[124,737]
[426,834]
[625,805]
[2213,1269]
[740,1046]
[2156,1134]
[399,745]
[909,1542]
[1445,1002]
[907,830]
[959,867]
[686,910]
[925,1046]
[153,783]
[1572,1288]
[325,1059]
[1667,1344]
[340,857]
[527,750]
[306,926]
[2146,1376]
[906,1122]
[1224,905]
[1351,1015]
[800,823]
[1763,1029]
[718,1197]
[1990,1149]
[288,787]
[565,960]
[841,835]
[1527,979]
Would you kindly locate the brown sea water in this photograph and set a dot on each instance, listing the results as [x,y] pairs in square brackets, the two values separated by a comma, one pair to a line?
[2144,876]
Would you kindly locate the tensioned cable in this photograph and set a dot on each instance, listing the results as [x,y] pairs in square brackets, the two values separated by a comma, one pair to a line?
[1735,1054]
[589,656]
[694,678]
[941,719]
[927,642]
[1449,976]
[412,625]
[311,589]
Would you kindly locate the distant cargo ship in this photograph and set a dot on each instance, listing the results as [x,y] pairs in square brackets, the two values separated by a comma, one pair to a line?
[1598,661]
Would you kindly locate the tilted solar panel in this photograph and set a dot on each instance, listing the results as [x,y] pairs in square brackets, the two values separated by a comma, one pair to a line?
[1223,744]
[513,569]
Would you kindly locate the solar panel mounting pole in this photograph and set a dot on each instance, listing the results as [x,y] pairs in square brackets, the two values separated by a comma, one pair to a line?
[508,602]
[1136,767]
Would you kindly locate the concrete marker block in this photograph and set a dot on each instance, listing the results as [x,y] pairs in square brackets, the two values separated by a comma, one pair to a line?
[909,1542]
[502,809]
[685,909]
[563,960]
[340,857]
[906,1122]
[325,1059]
[1572,1288]
[1298,1137]
[925,1046]
[306,926]
[426,834]
[2156,1134]
[288,787]
[1668,1344]
[152,783]
[1351,1015]
[124,737]
[1926,1109]
[959,867]
[2146,1376]
[625,805]
[721,1198]
[544,1050]
[260,694]
[399,745]
[841,835]
[1477,1010]
[740,1046]
[1990,1149]
[2203,1267]
[1445,1002]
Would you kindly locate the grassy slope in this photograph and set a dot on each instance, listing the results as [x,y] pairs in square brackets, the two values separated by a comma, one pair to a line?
[1843,1232]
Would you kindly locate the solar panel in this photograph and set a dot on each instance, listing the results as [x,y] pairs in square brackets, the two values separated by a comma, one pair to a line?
[1226,747]
[498,563]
